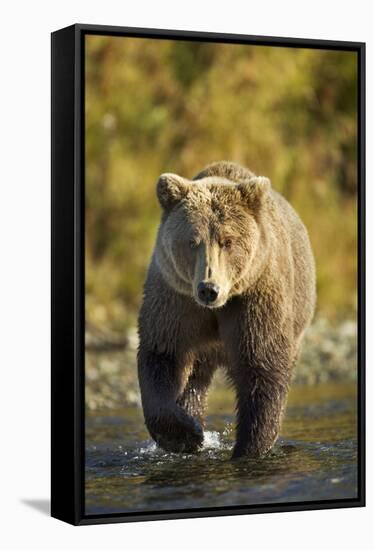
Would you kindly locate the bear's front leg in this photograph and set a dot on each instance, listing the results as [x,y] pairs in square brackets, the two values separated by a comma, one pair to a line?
[161,382]
[260,356]
[261,400]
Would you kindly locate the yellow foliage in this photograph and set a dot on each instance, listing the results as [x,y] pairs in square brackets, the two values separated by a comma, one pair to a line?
[156,106]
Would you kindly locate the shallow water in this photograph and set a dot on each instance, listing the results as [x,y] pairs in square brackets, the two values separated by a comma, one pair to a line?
[314,459]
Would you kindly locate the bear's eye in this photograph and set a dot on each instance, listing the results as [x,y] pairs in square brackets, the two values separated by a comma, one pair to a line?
[226,243]
[193,243]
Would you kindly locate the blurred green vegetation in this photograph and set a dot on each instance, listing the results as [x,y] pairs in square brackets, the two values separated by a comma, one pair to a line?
[168,106]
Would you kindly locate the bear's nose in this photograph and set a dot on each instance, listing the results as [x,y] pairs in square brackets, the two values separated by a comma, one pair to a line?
[207,292]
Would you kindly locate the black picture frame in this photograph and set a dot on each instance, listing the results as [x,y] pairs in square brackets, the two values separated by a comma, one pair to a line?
[68,172]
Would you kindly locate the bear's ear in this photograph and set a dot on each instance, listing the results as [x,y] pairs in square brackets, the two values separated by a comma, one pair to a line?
[171,189]
[255,190]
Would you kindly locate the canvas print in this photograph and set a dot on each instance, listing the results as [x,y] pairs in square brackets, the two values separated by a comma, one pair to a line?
[220,274]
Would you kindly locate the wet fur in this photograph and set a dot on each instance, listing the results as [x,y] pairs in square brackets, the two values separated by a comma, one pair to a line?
[269,288]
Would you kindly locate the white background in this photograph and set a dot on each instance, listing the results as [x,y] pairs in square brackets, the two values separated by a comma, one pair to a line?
[25,272]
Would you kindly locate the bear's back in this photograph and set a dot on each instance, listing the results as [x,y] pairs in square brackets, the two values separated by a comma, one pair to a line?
[226,169]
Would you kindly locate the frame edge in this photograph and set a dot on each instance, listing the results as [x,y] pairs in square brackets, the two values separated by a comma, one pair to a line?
[63,320]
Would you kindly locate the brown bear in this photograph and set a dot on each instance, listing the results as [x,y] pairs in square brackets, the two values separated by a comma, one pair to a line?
[231,283]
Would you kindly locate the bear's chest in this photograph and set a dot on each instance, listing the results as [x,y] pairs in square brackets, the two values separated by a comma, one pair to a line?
[201,334]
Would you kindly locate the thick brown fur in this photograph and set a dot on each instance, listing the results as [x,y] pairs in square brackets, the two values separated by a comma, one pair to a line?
[230,228]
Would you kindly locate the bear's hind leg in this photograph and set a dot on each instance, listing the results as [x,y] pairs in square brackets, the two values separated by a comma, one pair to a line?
[194,397]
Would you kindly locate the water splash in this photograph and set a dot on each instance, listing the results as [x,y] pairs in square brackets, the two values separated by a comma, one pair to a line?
[149,448]
[212,440]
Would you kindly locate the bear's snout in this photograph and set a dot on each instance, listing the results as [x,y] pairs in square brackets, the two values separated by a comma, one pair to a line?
[207,292]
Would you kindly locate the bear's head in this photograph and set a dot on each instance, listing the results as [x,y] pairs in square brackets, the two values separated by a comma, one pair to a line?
[211,236]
